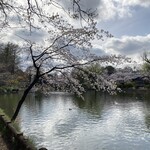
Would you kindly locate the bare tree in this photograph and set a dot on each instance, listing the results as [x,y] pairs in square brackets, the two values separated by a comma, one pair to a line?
[70,30]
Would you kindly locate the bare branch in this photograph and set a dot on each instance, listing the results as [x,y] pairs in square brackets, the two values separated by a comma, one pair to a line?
[145,58]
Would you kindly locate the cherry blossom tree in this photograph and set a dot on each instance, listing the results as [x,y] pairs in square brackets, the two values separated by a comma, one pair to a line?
[69,31]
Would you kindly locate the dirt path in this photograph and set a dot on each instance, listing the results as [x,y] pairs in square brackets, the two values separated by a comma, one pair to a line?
[2,144]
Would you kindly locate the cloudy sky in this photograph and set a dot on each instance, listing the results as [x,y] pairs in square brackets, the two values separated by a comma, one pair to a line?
[128,21]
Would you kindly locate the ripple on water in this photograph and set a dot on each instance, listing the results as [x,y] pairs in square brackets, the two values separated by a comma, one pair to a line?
[90,125]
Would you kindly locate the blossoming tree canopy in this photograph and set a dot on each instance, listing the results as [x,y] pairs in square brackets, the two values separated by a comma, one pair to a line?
[55,35]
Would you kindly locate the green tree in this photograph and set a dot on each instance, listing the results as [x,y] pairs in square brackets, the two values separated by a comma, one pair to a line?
[9,57]
[88,75]
[95,68]
[110,70]
[146,67]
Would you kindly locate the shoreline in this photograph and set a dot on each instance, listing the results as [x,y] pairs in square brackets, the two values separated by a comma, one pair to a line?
[3,144]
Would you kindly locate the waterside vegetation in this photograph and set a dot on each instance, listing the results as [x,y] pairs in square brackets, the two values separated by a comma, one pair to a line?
[88,76]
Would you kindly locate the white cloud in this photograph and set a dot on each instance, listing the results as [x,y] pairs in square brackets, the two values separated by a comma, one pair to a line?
[132,46]
[107,9]
[110,9]
[142,3]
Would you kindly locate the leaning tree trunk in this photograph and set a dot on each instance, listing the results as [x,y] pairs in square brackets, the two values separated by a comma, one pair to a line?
[26,92]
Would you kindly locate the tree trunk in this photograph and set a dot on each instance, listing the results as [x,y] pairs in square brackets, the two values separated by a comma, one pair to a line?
[23,99]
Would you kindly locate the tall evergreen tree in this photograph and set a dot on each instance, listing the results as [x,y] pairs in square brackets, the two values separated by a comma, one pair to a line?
[9,57]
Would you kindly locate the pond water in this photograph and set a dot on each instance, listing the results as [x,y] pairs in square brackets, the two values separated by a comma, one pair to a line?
[100,122]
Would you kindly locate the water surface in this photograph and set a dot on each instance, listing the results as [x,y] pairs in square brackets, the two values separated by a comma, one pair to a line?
[100,122]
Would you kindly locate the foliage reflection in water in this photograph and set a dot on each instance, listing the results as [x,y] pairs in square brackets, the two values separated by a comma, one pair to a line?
[62,121]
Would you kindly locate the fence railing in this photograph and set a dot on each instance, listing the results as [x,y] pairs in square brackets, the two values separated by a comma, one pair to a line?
[15,140]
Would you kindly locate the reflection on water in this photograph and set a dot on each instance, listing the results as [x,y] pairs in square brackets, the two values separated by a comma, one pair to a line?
[64,122]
